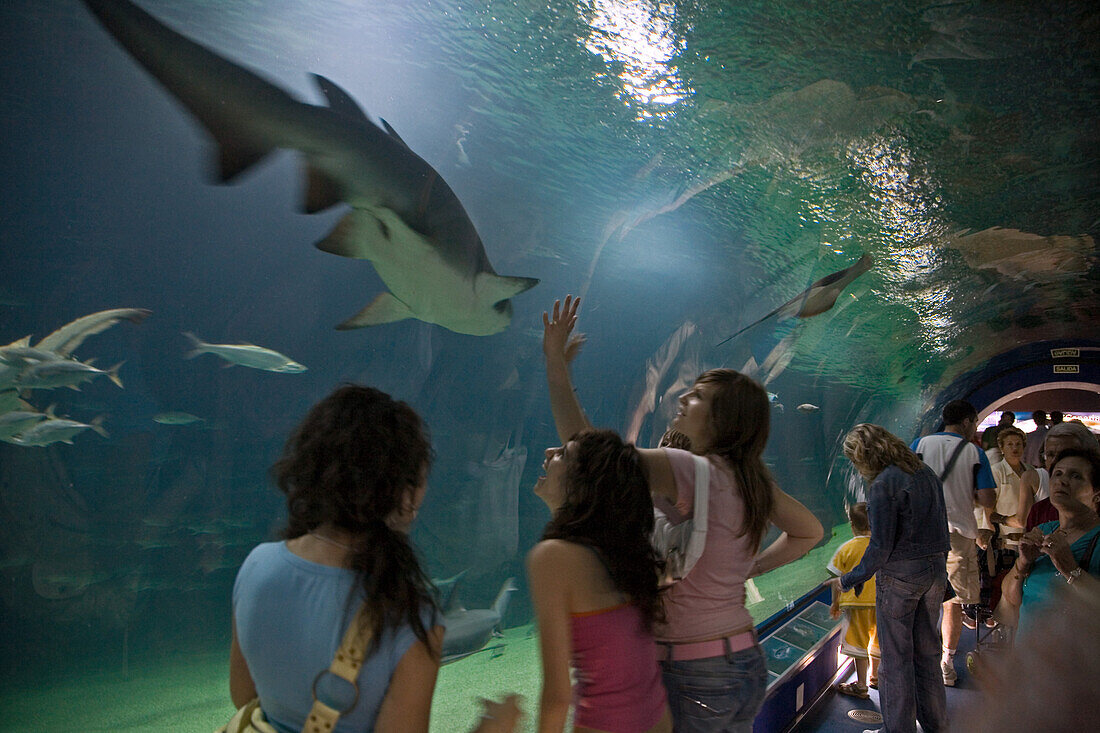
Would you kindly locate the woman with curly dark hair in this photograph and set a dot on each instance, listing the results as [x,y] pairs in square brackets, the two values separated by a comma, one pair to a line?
[594,581]
[354,473]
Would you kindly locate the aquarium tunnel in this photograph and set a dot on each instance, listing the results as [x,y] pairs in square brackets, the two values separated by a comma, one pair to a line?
[871,208]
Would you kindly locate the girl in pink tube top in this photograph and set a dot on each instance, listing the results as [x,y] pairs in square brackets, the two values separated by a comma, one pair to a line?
[593,578]
[713,668]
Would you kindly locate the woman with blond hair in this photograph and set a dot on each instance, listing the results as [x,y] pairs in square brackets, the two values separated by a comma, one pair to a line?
[907,555]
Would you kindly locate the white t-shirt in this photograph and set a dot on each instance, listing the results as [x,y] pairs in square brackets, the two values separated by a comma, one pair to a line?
[1044,484]
[970,473]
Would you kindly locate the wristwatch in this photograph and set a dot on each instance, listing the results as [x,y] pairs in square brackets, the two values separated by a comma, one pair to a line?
[1073,575]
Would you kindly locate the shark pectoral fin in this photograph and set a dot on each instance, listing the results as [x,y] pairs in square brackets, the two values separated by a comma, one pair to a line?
[384,309]
[321,191]
[495,288]
[358,235]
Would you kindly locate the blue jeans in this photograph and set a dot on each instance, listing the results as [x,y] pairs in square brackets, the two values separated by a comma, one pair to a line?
[908,600]
[716,694]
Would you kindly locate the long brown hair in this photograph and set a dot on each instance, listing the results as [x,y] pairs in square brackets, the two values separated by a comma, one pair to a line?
[872,448]
[353,461]
[608,507]
[740,421]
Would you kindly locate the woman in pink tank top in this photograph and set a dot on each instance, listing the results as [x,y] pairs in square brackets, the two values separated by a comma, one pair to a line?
[713,669]
[593,579]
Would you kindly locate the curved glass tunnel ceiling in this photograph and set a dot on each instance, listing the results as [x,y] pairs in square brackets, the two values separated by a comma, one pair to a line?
[689,167]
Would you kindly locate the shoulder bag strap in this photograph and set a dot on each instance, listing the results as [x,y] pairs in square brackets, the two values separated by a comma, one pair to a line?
[954,457]
[345,665]
[700,503]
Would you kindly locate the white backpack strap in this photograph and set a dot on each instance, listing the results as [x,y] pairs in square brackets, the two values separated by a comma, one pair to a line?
[701,503]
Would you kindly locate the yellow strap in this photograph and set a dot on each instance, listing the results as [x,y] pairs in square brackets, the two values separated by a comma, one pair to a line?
[345,665]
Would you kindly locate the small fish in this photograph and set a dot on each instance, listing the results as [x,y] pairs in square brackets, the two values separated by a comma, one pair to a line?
[15,422]
[773,398]
[807,408]
[176,418]
[19,353]
[63,373]
[58,430]
[256,357]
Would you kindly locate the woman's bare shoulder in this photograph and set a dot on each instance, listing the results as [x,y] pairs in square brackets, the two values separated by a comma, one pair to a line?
[557,551]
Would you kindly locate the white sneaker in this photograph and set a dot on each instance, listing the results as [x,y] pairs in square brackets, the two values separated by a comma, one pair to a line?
[949,673]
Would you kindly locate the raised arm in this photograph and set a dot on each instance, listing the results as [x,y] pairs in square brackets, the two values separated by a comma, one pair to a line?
[560,346]
[801,531]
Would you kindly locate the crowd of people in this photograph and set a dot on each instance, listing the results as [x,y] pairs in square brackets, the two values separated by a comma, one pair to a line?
[335,627]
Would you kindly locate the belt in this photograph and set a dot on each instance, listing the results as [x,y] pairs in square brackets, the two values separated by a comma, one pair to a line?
[674,651]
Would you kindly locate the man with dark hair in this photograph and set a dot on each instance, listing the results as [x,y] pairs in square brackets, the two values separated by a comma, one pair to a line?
[967,479]
[1056,418]
[1033,448]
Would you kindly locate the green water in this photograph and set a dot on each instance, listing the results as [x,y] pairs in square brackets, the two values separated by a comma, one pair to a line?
[190,691]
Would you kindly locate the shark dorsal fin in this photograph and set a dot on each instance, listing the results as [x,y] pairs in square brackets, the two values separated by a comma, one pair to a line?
[393,132]
[339,101]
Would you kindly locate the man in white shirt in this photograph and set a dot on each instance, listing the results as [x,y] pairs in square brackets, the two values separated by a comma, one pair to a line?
[967,480]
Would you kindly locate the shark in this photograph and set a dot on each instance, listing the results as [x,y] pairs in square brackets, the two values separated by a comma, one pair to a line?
[468,631]
[403,216]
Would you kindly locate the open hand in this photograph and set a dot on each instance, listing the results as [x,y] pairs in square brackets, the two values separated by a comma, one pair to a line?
[557,330]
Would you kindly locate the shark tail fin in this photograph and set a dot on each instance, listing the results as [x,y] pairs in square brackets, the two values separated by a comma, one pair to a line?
[113,375]
[197,346]
[383,309]
[25,341]
[496,288]
[500,605]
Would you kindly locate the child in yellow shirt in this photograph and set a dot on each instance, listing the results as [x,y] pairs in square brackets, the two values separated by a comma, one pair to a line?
[858,608]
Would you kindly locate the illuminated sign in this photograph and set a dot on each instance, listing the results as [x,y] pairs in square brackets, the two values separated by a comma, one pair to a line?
[1065,354]
[1067,369]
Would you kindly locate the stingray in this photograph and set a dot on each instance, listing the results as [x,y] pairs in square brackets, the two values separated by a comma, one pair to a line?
[816,299]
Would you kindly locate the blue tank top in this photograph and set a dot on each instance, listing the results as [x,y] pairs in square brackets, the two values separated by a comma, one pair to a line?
[291,615]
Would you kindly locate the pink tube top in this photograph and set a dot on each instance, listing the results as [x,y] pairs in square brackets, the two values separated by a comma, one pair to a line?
[619,686]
